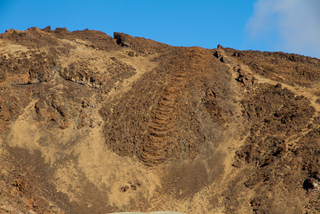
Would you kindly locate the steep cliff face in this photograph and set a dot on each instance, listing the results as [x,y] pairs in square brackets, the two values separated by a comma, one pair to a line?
[95,124]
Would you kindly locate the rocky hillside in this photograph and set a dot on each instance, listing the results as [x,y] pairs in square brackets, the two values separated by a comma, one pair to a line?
[96,124]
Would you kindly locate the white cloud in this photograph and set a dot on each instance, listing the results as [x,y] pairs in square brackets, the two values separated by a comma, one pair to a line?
[287,25]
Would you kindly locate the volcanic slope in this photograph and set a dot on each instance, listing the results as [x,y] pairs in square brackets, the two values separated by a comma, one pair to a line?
[96,124]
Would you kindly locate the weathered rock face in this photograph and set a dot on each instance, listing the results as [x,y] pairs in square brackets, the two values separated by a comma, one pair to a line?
[178,109]
[95,124]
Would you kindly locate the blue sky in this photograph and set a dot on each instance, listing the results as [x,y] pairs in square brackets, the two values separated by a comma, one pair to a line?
[265,25]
